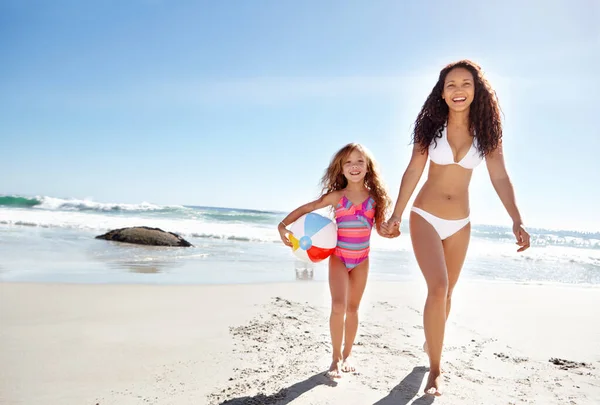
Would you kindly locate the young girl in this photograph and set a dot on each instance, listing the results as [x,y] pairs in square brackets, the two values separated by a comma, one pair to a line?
[353,188]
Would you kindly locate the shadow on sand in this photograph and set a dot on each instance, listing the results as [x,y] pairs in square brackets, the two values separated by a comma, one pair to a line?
[404,392]
[285,395]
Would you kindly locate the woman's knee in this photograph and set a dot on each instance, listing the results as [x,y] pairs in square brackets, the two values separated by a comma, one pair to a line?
[352,308]
[438,288]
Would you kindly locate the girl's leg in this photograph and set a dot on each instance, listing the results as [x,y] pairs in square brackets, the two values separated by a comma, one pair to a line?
[429,253]
[338,286]
[356,288]
[455,251]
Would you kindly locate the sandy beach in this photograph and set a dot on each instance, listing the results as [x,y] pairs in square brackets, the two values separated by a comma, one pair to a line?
[269,344]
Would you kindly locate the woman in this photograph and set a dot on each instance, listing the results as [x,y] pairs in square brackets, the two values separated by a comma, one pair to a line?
[458,127]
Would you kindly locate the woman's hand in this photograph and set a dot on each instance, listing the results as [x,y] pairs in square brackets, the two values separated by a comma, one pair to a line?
[523,238]
[283,234]
[391,228]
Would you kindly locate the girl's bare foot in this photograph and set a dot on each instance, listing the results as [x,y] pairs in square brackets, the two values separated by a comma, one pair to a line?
[347,366]
[434,382]
[335,370]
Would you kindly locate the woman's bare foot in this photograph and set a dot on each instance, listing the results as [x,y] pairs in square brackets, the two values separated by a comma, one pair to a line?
[434,384]
[335,370]
[347,366]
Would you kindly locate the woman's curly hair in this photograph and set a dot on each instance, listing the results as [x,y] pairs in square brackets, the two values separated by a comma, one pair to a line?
[484,114]
[334,179]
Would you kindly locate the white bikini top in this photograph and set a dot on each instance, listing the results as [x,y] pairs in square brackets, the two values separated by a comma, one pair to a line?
[441,153]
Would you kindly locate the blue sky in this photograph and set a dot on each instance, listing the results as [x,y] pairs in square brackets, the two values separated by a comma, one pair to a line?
[242,104]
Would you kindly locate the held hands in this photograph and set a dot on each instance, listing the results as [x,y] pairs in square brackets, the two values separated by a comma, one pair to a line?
[283,234]
[390,228]
[523,238]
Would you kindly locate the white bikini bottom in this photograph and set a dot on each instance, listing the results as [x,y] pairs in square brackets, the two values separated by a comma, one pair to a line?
[444,227]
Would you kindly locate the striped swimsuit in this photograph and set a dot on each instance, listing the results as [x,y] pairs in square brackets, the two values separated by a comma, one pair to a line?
[354,225]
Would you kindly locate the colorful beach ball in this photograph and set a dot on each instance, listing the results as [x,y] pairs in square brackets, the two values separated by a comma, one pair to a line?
[314,237]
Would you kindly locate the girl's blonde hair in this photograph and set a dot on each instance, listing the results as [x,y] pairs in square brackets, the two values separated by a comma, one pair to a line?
[334,179]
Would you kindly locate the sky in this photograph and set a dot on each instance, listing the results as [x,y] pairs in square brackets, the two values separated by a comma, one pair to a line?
[242,104]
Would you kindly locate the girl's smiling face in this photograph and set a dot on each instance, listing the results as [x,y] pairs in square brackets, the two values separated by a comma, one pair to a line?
[355,167]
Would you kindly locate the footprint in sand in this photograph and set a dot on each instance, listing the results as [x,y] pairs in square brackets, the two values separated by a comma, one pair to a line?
[568,364]
[384,304]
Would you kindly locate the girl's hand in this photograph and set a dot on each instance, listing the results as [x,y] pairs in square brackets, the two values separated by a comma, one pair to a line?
[391,228]
[283,234]
[523,238]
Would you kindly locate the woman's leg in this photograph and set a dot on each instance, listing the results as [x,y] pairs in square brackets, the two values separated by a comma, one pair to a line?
[356,288]
[455,251]
[338,286]
[429,253]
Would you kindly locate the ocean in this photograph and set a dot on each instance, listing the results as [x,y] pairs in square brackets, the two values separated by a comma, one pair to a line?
[46,239]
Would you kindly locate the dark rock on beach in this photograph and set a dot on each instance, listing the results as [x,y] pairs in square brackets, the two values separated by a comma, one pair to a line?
[143,235]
